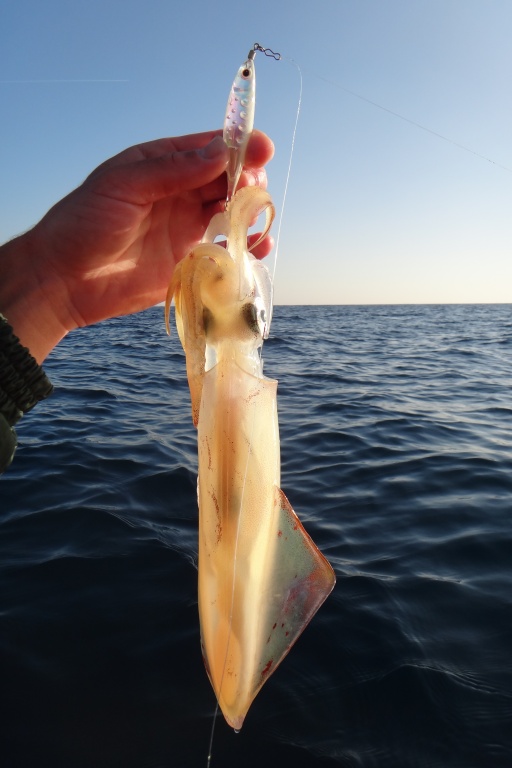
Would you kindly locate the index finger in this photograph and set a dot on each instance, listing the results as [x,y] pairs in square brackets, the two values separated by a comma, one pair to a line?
[260,148]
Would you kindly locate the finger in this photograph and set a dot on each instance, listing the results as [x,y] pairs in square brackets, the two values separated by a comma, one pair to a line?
[253,177]
[158,147]
[264,248]
[260,150]
[216,190]
[148,180]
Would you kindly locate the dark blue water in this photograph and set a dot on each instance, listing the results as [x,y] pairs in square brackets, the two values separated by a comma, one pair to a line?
[396,427]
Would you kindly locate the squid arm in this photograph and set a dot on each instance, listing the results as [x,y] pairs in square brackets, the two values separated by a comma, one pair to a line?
[261,577]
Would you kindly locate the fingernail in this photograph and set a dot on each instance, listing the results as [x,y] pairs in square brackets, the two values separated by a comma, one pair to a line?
[215,148]
[253,177]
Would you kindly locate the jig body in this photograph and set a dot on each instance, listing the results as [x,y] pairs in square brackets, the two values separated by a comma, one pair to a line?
[239,120]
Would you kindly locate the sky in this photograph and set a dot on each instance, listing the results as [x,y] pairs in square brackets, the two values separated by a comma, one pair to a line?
[401,177]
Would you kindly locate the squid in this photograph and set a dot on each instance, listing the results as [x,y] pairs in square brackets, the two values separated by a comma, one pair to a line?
[261,578]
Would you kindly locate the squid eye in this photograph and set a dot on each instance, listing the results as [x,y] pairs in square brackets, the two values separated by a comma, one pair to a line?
[249,313]
[207,320]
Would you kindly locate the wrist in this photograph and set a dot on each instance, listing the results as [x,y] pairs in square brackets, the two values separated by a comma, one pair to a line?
[28,301]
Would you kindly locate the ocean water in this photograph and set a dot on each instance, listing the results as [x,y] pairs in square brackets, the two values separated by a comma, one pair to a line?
[396,440]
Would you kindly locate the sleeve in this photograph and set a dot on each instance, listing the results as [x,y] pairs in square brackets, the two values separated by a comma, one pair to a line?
[8,443]
[23,383]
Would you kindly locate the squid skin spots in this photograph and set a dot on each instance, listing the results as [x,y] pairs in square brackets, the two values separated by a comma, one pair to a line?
[266,668]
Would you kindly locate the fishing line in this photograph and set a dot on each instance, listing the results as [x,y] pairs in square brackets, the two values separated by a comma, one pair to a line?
[210,745]
[411,122]
[287,180]
[63,81]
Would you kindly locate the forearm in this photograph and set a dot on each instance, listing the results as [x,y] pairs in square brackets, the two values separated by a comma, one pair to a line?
[26,298]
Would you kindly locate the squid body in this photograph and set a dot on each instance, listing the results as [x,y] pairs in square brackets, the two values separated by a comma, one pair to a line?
[261,578]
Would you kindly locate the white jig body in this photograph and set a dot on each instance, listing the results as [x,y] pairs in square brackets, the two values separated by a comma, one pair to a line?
[239,120]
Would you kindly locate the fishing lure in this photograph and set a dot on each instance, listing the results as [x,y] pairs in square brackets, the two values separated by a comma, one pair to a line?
[261,577]
[239,119]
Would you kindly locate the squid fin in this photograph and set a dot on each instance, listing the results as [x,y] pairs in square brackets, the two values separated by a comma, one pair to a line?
[302,579]
[299,579]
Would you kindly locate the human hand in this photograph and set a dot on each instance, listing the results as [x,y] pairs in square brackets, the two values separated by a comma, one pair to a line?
[109,248]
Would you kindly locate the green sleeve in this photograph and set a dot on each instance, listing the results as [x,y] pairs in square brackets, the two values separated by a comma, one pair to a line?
[8,443]
[23,383]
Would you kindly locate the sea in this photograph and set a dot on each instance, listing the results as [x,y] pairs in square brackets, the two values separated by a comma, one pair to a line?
[396,442]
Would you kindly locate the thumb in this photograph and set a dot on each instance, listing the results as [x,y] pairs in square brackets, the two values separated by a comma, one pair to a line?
[151,179]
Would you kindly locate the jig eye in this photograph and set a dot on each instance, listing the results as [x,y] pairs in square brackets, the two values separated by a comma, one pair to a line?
[246,73]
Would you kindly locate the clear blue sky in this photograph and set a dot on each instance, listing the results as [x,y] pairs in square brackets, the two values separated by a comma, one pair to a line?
[378,209]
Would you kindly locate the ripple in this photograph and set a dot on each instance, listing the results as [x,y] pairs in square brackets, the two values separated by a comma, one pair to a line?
[397,455]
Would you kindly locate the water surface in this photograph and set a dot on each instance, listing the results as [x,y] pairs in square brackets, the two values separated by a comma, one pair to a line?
[396,438]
